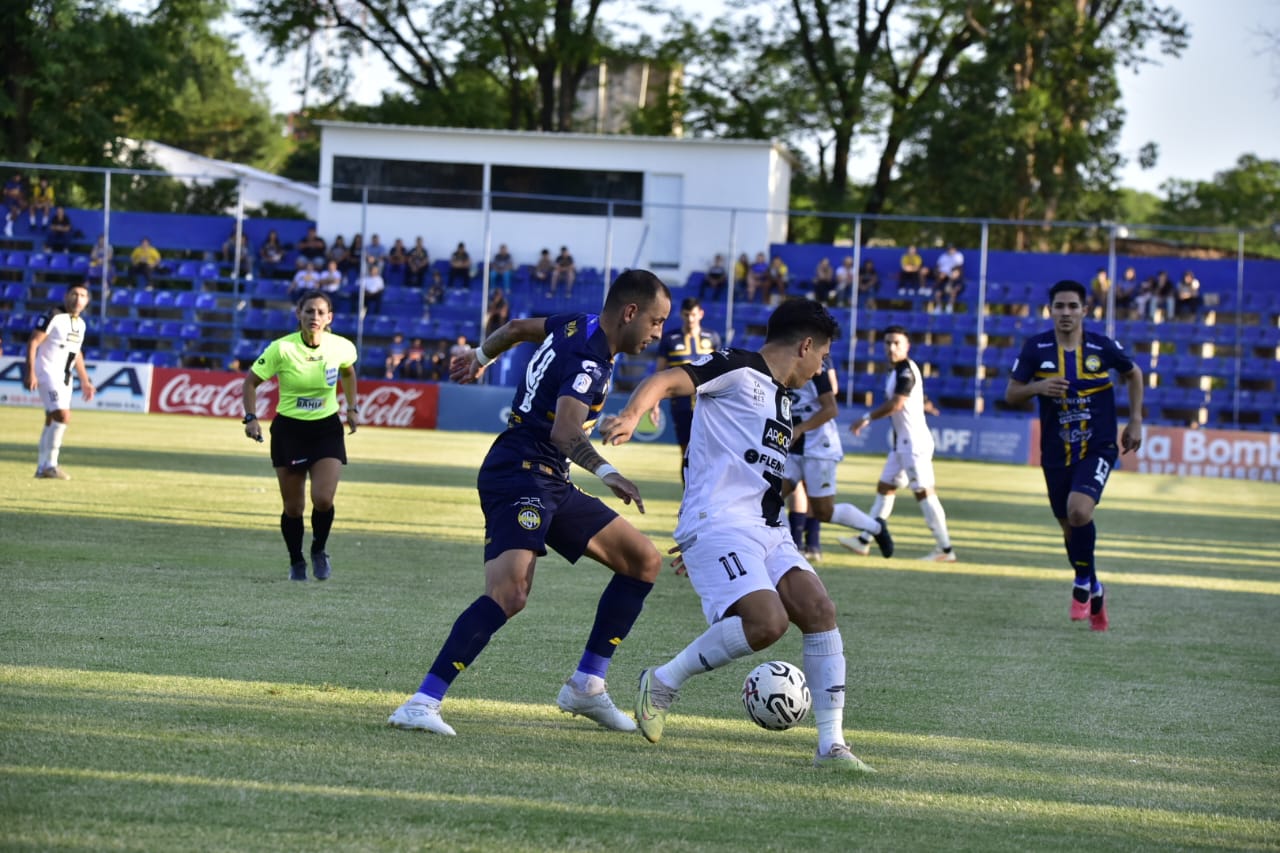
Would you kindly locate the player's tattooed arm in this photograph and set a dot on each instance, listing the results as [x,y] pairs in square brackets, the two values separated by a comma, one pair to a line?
[581,452]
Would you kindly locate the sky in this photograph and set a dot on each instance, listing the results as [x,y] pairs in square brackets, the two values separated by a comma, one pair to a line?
[1219,100]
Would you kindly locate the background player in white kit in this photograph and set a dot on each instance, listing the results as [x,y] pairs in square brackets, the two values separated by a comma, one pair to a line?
[912,454]
[739,556]
[52,353]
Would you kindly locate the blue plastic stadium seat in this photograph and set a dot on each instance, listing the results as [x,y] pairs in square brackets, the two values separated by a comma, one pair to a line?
[165,358]
[19,323]
[14,291]
[206,302]
[56,294]
[38,261]
[16,260]
[60,262]
[185,300]
[188,269]
[254,319]
[170,330]
[139,356]
[165,299]
[279,320]
[144,298]
[120,298]
[207,270]
[80,263]
[190,332]
[147,330]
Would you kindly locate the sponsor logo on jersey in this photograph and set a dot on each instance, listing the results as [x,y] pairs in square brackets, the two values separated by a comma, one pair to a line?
[310,404]
[702,359]
[581,383]
[784,405]
[529,518]
[331,376]
[777,436]
[1044,344]
[751,456]
[1048,365]
[1092,363]
[571,328]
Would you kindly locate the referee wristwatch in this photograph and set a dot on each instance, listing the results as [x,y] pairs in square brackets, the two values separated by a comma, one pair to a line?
[248,418]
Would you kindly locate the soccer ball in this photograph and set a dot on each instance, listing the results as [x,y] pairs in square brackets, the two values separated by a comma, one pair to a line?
[776,695]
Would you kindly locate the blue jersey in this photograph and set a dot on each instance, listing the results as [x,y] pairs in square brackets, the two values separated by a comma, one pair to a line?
[573,361]
[678,348]
[1084,421]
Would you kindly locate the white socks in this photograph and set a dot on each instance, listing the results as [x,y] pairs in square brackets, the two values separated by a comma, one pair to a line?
[824,669]
[936,518]
[850,516]
[723,642]
[56,431]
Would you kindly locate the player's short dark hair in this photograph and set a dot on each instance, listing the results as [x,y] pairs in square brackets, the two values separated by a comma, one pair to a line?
[1070,286]
[796,319]
[895,329]
[639,286]
[689,303]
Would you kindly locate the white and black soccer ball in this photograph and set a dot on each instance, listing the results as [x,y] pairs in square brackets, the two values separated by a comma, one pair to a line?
[776,695]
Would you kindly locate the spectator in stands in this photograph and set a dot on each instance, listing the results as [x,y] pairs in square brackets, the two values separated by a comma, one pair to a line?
[60,229]
[395,355]
[758,277]
[1162,293]
[355,255]
[42,204]
[846,276]
[270,255]
[715,279]
[372,285]
[329,280]
[460,349]
[542,271]
[501,267]
[824,283]
[434,293]
[1145,301]
[415,364]
[566,271]
[397,261]
[143,262]
[99,258]
[338,253]
[1098,290]
[1127,294]
[15,201]
[460,268]
[419,261]
[246,254]
[868,284]
[912,273]
[303,280]
[311,248]
[439,367]
[776,281]
[375,252]
[948,279]
[1189,296]
[499,311]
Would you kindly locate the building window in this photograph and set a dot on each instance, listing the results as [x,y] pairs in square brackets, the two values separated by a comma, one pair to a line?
[579,192]
[409,183]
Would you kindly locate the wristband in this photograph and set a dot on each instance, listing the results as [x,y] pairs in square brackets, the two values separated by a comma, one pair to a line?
[353,409]
[482,356]
[248,418]
[604,470]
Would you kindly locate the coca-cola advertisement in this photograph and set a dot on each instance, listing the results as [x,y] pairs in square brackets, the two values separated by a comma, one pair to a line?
[215,393]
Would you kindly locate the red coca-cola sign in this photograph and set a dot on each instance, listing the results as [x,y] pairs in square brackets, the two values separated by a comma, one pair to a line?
[215,393]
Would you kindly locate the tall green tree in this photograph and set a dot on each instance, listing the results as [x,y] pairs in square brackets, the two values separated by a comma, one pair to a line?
[1246,196]
[516,64]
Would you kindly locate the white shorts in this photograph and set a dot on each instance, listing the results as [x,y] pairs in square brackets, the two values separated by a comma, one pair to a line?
[54,393]
[818,475]
[917,468]
[727,564]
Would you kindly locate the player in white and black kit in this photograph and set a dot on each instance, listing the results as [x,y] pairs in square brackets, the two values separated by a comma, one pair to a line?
[740,557]
[53,352]
[912,454]
[815,455]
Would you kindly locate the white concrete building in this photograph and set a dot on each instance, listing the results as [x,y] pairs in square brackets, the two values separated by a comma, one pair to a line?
[675,202]
[259,186]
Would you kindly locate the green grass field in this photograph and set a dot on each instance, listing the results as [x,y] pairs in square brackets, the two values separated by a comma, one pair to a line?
[163,686]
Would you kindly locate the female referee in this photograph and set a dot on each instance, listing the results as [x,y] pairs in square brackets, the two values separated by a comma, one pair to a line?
[306,435]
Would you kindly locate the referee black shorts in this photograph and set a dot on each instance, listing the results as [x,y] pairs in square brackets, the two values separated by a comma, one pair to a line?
[299,444]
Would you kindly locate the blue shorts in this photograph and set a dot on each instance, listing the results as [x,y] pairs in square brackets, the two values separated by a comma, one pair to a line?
[1088,477]
[531,510]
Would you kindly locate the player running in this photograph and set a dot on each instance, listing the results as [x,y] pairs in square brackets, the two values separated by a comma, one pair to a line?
[740,557]
[1068,371]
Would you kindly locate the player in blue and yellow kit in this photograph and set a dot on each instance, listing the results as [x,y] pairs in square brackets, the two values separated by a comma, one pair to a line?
[682,346]
[1069,371]
[530,503]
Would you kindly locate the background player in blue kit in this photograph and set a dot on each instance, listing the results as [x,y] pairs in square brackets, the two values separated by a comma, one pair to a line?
[679,347]
[530,503]
[1068,371]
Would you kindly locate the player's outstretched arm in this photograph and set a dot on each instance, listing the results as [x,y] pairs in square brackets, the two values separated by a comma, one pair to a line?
[33,343]
[570,439]
[465,369]
[672,382]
